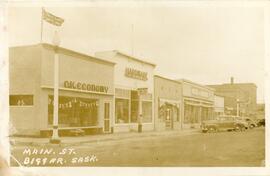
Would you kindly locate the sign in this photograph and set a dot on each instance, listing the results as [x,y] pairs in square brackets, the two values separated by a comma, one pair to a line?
[136,74]
[86,87]
[142,91]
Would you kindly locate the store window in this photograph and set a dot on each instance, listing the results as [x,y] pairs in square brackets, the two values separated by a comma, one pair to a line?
[121,110]
[191,114]
[21,100]
[147,111]
[74,111]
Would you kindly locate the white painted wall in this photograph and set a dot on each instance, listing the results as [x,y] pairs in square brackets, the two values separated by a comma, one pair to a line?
[219,103]
[123,62]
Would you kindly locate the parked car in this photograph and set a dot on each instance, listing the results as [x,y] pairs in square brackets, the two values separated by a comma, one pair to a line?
[224,123]
[261,122]
[251,122]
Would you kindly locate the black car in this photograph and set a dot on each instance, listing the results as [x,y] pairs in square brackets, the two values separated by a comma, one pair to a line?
[261,122]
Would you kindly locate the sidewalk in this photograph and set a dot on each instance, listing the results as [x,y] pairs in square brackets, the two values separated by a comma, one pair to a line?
[16,141]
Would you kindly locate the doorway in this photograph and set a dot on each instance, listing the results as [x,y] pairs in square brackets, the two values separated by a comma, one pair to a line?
[107,126]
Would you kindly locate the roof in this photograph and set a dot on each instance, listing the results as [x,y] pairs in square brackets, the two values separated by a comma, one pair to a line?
[188,81]
[168,79]
[234,84]
[67,51]
[129,56]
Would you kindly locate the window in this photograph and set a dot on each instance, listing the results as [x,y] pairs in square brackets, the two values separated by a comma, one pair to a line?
[121,110]
[191,114]
[74,111]
[21,100]
[147,111]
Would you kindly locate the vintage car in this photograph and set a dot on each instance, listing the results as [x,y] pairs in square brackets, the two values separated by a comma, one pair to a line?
[224,123]
[250,121]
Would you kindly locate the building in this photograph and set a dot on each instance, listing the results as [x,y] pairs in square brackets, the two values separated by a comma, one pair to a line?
[168,103]
[198,103]
[86,90]
[134,89]
[219,105]
[260,111]
[241,96]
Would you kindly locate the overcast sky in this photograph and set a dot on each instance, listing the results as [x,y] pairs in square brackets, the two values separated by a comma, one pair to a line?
[206,45]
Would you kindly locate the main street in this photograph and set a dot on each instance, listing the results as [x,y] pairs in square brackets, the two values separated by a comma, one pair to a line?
[198,149]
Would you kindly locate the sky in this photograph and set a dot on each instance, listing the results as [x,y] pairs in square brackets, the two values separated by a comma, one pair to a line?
[204,44]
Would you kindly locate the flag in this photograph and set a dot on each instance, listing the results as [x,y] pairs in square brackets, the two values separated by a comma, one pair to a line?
[52,19]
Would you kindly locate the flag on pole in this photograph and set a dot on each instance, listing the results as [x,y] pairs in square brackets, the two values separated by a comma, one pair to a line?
[52,19]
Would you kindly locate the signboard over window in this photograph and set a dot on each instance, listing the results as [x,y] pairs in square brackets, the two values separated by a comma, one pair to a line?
[86,87]
[136,74]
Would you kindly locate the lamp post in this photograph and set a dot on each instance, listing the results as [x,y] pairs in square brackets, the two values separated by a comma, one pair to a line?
[55,137]
[237,107]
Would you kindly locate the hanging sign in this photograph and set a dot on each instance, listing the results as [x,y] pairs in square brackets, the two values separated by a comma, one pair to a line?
[86,87]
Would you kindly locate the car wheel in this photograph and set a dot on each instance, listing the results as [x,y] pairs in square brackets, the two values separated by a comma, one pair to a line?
[237,128]
[251,126]
[212,129]
[243,128]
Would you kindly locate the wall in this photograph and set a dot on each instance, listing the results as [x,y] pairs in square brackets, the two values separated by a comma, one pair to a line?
[197,91]
[77,68]
[24,78]
[170,91]
[123,62]
[219,104]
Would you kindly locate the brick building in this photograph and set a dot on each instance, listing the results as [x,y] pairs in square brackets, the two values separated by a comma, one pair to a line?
[243,94]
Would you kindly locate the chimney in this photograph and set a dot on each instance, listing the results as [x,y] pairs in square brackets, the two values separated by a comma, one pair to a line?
[232,80]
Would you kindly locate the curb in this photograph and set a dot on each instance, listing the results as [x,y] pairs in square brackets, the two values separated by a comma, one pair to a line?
[15,143]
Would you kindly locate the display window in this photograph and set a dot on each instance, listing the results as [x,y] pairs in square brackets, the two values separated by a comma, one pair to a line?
[121,110]
[74,111]
[191,114]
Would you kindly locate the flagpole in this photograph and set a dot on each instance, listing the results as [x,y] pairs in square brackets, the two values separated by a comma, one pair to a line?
[41,25]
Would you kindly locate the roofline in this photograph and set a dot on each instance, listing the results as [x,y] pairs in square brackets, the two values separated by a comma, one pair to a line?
[47,45]
[168,79]
[188,81]
[236,84]
[134,58]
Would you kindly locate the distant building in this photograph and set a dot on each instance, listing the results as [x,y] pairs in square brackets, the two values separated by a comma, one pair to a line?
[260,111]
[243,94]
[218,105]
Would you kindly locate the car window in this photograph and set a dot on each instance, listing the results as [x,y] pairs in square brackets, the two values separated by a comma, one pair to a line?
[222,118]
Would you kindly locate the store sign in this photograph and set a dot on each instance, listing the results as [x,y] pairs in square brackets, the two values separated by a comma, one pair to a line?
[86,87]
[136,74]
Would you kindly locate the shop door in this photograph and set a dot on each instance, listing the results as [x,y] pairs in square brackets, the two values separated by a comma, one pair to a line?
[107,126]
[168,120]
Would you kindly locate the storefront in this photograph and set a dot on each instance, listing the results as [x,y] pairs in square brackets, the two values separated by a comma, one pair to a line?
[86,90]
[168,101]
[198,104]
[133,83]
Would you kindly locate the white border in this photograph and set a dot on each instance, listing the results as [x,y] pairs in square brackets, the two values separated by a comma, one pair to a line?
[217,171]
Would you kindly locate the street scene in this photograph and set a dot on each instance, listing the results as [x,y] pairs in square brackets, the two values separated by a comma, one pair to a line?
[136,86]
[193,149]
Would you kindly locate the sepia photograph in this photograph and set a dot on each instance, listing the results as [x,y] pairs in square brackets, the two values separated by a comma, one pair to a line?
[137,84]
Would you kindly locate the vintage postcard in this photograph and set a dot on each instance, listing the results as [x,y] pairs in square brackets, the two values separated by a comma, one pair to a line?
[140,87]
